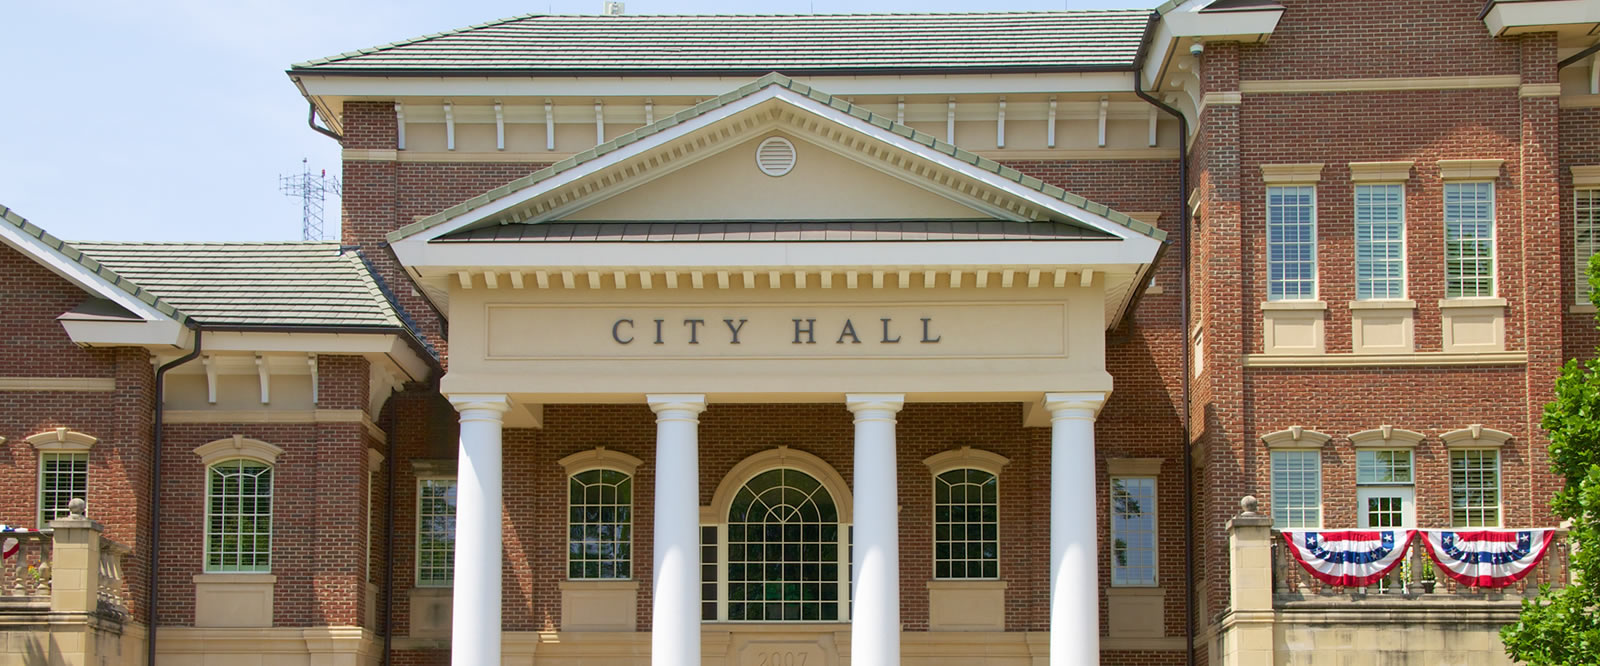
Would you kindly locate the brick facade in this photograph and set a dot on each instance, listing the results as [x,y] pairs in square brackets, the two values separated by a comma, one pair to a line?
[322,534]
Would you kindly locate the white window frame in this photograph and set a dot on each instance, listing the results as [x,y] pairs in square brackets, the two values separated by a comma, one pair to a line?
[615,523]
[1494,237]
[416,548]
[968,523]
[272,523]
[1315,279]
[1499,485]
[1153,511]
[1585,213]
[1411,466]
[1405,241]
[1281,506]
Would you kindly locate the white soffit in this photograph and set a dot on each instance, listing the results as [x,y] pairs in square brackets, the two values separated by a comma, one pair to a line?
[1189,22]
[1570,18]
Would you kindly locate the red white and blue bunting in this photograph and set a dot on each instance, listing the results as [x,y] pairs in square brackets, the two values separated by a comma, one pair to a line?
[1487,558]
[1348,558]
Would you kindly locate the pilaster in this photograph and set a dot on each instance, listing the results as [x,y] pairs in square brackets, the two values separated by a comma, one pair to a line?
[1540,190]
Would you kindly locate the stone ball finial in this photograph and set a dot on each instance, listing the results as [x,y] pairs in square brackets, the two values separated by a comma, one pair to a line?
[76,507]
[1249,504]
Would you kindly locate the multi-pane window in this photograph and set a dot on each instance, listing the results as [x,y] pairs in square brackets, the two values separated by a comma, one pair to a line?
[1297,489]
[708,573]
[1386,512]
[1292,243]
[966,524]
[436,532]
[1380,242]
[62,476]
[1469,240]
[785,555]
[1383,467]
[239,517]
[1586,234]
[600,525]
[1475,488]
[1133,531]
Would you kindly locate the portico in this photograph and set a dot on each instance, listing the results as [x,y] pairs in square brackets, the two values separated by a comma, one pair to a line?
[991,288]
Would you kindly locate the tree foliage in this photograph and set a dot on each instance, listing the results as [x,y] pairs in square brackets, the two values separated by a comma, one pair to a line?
[1563,626]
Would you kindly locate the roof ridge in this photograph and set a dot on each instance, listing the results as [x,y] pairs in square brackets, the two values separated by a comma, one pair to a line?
[772,79]
[100,270]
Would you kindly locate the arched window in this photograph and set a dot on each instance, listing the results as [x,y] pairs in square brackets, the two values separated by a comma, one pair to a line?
[966,513]
[966,524]
[238,504]
[784,541]
[600,525]
[600,514]
[784,554]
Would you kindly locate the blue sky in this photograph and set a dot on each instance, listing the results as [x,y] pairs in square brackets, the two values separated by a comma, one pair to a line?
[172,119]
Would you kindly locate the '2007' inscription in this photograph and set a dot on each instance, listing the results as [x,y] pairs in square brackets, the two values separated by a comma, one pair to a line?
[781,659]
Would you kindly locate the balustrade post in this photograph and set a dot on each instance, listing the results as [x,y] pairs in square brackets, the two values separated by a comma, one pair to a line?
[1250,593]
[75,562]
[1414,586]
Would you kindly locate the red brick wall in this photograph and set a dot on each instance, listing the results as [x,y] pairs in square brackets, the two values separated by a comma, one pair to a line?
[318,508]
[1318,39]
[35,345]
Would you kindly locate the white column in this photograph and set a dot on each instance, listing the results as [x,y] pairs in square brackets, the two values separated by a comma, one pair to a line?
[675,580]
[875,620]
[1074,557]
[475,621]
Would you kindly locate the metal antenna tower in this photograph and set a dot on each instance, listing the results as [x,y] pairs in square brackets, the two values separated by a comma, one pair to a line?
[312,189]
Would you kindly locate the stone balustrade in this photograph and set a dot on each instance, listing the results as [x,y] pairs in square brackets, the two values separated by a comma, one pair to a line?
[25,575]
[62,596]
[1277,613]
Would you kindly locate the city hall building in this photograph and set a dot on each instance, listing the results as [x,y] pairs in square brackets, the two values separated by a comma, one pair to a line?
[988,338]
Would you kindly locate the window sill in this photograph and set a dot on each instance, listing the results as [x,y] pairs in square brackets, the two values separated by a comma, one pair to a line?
[598,584]
[1294,305]
[1582,308]
[1384,304]
[1359,360]
[1481,302]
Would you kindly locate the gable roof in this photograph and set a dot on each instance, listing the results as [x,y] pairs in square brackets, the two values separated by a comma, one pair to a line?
[91,275]
[1063,41]
[255,284]
[747,90]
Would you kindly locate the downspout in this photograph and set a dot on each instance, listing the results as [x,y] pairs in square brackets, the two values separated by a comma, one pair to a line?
[388,535]
[1184,315]
[155,496]
[311,120]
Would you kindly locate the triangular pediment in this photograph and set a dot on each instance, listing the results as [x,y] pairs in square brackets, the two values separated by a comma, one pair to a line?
[819,184]
[700,165]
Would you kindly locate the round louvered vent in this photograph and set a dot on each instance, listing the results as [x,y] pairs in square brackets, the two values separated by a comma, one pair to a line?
[775,156]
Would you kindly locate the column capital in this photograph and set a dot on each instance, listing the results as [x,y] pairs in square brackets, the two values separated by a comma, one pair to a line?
[484,405]
[693,403]
[1085,405]
[860,402]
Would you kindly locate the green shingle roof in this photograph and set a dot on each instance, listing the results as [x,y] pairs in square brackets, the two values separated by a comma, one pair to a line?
[254,284]
[796,44]
[746,90]
[111,276]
